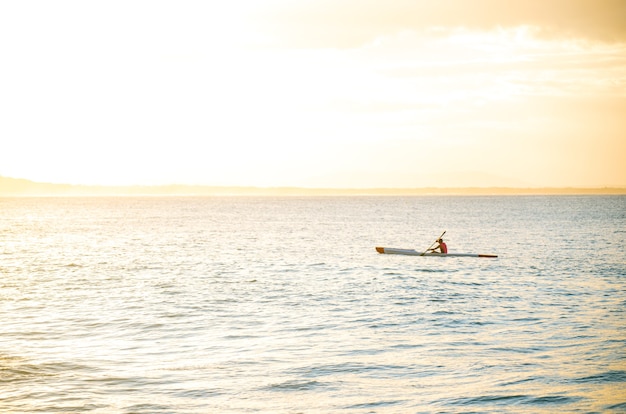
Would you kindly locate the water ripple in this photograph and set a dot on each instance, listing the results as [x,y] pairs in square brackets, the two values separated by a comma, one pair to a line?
[232,305]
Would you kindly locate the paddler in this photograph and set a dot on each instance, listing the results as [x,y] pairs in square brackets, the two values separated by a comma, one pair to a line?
[443,248]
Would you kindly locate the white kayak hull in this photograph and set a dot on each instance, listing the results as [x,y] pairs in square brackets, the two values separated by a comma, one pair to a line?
[413,252]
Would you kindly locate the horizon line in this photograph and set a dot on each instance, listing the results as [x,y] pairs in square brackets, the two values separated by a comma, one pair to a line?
[24,187]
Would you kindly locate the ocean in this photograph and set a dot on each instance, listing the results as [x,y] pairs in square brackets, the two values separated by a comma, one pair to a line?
[283,305]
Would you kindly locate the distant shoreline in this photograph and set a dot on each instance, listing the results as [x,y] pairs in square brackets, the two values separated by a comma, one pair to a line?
[15,187]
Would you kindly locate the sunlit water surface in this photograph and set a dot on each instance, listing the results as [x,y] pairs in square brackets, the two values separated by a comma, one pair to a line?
[242,304]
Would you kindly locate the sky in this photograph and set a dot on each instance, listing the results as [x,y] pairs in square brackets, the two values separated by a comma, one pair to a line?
[314,93]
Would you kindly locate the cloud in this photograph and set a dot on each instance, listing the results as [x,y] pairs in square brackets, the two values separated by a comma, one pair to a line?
[275,92]
[350,23]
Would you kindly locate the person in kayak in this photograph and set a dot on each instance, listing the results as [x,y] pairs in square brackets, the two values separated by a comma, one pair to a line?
[443,248]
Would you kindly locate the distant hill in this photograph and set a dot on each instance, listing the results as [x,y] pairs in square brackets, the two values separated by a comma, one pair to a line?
[17,187]
[22,187]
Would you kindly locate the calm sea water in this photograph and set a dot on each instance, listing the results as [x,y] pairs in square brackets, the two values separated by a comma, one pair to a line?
[243,304]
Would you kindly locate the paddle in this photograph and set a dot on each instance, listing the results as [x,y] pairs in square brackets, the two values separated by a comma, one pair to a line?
[425,251]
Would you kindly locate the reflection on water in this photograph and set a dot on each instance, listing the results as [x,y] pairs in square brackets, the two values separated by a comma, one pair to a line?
[193,305]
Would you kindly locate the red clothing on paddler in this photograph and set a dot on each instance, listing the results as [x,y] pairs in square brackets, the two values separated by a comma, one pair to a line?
[443,247]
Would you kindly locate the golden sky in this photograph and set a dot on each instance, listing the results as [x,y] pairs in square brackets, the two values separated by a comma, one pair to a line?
[320,93]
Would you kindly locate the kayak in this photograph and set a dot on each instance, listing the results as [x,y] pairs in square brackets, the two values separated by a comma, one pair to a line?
[413,252]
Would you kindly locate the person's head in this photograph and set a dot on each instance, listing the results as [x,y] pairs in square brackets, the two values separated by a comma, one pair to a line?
[440,241]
